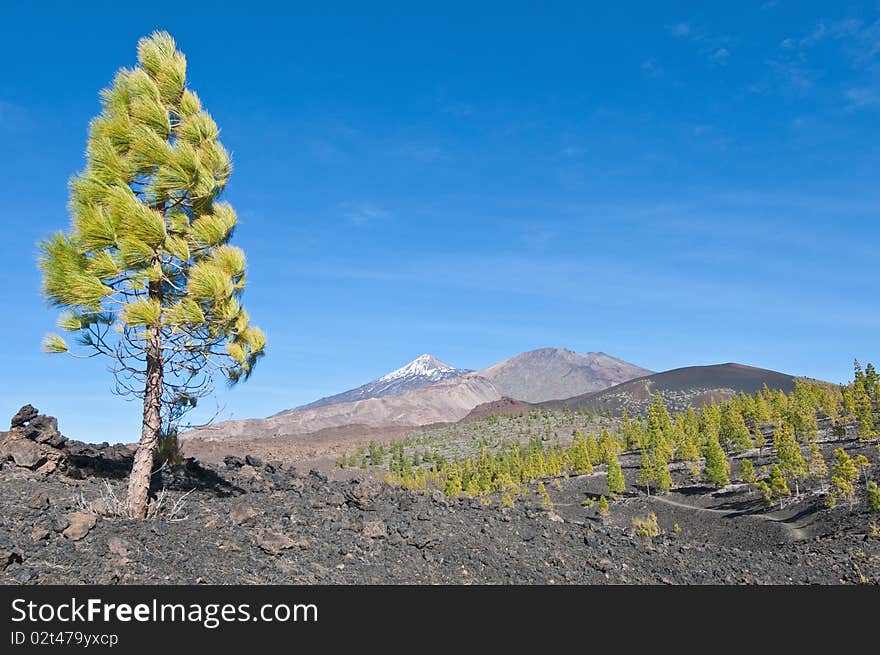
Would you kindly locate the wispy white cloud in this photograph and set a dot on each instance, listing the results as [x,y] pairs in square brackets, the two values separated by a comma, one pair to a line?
[802,61]
[860,40]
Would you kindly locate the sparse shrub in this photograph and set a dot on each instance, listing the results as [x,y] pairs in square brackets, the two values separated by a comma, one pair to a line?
[766,492]
[646,527]
[676,528]
[862,464]
[546,501]
[168,449]
[874,496]
[603,507]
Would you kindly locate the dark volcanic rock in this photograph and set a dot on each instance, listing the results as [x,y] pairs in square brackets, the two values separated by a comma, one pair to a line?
[33,441]
[21,451]
[244,524]
[24,415]
[44,429]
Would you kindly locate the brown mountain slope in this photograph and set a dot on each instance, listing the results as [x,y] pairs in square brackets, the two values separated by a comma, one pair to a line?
[444,402]
[553,373]
[504,405]
[680,388]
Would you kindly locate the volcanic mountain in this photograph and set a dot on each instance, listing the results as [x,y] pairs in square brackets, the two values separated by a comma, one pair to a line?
[423,371]
[681,388]
[427,391]
[556,373]
[443,402]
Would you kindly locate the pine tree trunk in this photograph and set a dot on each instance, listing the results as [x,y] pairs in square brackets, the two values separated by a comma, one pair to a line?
[142,469]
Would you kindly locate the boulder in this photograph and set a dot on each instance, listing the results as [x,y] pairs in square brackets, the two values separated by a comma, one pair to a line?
[39,501]
[24,415]
[44,429]
[80,525]
[33,442]
[233,462]
[38,534]
[23,452]
[274,542]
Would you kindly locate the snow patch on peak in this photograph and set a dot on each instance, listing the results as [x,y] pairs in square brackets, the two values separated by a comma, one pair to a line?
[423,371]
[426,366]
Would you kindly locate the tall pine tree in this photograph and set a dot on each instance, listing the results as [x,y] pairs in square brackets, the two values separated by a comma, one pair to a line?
[145,274]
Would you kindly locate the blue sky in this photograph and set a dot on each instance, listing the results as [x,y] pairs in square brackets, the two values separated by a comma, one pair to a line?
[673,185]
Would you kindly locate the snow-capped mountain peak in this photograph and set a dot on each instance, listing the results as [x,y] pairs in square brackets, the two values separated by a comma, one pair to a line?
[426,366]
[423,371]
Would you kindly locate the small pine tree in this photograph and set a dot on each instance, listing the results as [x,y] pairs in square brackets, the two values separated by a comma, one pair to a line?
[862,464]
[546,501]
[646,470]
[717,466]
[818,467]
[616,483]
[579,455]
[874,496]
[747,472]
[662,478]
[844,473]
[791,460]
[766,492]
[778,484]
[452,487]
[759,439]
[603,508]
[733,432]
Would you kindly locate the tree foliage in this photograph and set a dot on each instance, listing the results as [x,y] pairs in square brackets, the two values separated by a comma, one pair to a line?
[717,466]
[148,248]
[146,275]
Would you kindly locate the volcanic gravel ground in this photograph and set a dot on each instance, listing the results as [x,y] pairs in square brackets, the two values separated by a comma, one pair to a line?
[265,523]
